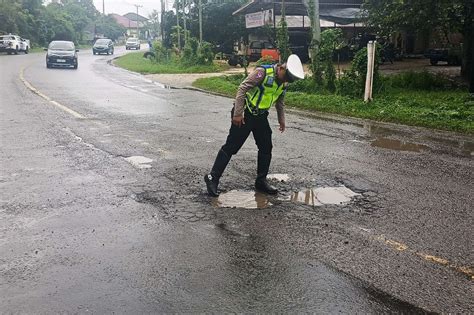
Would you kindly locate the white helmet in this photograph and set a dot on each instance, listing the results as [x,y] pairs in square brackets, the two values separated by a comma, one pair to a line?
[294,68]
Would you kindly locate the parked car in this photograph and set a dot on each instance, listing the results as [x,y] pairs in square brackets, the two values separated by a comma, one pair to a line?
[24,45]
[452,55]
[103,46]
[132,43]
[13,44]
[61,54]
[256,50]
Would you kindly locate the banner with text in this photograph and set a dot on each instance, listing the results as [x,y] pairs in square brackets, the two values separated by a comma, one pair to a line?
[258,19]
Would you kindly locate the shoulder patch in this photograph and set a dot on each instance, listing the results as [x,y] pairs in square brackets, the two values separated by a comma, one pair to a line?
[260,74]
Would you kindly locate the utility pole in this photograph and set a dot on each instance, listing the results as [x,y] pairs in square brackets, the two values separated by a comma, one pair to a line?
[138,31]
[177,24]
[184,20]
[103,7]
[162,20]
[200,21]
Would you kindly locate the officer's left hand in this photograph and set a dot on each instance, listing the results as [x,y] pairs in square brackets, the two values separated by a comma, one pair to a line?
[282,126]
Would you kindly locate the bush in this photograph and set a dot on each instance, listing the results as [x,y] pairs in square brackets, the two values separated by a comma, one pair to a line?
[162,54]
[307,85]
[195,54]
[418,81]
[352,83]
[206,53]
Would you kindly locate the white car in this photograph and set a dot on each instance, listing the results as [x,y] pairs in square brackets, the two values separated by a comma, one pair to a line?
[25,45]
[132,43]
[13,44]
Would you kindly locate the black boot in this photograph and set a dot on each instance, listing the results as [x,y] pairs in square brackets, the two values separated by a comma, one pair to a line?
[261,184]
[212,179]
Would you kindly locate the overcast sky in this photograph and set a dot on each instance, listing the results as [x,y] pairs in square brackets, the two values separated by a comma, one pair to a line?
[124,6]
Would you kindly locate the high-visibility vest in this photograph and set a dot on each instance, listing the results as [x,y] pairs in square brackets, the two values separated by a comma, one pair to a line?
[264,95]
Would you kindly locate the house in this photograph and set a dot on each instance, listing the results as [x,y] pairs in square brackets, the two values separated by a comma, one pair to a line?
[343,14]
[133,24]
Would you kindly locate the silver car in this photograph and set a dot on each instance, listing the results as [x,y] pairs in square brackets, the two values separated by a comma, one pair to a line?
[132,43]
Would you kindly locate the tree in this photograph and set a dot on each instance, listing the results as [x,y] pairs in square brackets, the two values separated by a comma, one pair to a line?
[169,21]
[219,26]
[9,15]
[283,40]
[331,39]
[389,16]
[107,26]
[56,24]
[153,23]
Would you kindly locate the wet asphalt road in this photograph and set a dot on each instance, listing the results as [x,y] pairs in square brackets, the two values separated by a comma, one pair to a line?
[83,230]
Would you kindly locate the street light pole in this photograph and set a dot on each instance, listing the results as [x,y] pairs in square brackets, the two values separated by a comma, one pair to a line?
[138,31]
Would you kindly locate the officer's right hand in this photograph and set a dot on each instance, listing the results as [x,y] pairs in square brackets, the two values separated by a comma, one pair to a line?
[238,121]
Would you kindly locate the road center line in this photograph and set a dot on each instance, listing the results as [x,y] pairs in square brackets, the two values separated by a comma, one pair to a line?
[47,98]
[434,259]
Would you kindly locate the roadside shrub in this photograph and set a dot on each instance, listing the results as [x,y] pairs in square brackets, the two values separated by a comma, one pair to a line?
[205,53]
[349,85]
[352,82]
[162,54]
[331,39]
[190,49]
[195,54]
[307,85]
[418,81]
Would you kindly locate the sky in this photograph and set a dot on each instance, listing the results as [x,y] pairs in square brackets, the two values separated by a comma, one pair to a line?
[125,6]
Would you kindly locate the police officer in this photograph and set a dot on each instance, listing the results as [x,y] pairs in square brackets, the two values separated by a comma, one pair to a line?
[265,86]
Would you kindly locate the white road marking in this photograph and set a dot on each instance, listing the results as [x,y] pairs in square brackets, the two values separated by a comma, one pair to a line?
[47,98]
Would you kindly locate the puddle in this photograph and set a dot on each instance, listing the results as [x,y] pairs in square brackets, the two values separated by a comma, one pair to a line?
[398,145]
[279,177]
[323,196]
[242,199]
[139,161]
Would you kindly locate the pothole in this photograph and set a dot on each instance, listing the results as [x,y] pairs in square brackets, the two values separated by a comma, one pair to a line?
[319,196]
[242,199]
[398,145]
[323,196]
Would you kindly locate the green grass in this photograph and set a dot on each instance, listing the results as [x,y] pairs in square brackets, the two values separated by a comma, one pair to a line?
[447,110]
[36,50]
[135,62]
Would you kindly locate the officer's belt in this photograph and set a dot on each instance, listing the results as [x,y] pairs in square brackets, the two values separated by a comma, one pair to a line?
[255,111]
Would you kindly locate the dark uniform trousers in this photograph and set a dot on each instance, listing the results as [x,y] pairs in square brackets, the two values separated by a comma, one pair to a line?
[262,133]
[257,125]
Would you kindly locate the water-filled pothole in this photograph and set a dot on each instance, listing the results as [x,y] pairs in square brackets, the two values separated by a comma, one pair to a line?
[319,196]
[323,196]
[242,199]
[398,145]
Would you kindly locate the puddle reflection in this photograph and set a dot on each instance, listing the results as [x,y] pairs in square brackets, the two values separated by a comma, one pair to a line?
[242,199]
[324,196]
[398,145]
